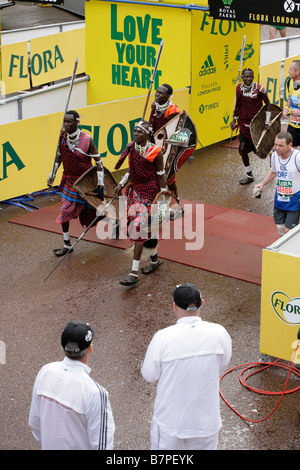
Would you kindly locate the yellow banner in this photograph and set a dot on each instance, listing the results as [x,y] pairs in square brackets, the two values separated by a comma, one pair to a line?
[216,52]
[280,305]
[15,74]
[130,38]
[29,146]
[51,58]
[270,78]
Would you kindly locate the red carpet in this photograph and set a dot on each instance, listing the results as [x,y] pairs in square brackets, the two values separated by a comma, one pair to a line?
[234,143]
[233,239]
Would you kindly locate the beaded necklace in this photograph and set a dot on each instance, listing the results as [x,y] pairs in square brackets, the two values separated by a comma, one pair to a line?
[73,143]
[161,108]
[142,150]
[247,90]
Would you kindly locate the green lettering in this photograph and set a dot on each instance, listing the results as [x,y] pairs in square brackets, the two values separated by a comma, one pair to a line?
[204,21]
[156,79]
[12,64]
[129,28]
[213,27]
[47,60]
[135,78]
[226,24]
[36,68]
[22,75]
[140,55]
[151,56]
[238,24]
[115,34]
[120,51]
[156,23]
[57,55]
[132,126]
[96,135]
[286,92]
[130,54]
[14,158]
[110,139]
[274,101]
[116,74]
[146,78]
[124,75]
[143,28]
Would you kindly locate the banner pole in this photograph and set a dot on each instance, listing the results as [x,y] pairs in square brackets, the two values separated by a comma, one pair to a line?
[66,107]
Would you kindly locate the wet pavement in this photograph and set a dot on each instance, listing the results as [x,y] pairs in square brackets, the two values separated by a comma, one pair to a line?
[86,286]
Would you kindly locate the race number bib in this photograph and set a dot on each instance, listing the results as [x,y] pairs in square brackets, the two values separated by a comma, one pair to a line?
[284,190]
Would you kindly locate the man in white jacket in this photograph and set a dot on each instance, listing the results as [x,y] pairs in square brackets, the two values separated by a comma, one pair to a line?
[69,410]
[187,359]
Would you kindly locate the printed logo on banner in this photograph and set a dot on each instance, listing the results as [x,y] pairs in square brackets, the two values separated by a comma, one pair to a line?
[248,52]
[287,309]
[135,61]
[227,12]
[285,12]
[289,6]
[9,157]
[208,67]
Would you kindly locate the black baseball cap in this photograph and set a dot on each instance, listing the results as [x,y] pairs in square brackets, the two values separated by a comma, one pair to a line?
[185,295]
[80,334]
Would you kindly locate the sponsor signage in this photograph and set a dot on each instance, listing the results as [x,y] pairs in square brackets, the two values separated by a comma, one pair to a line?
[280,300]
[272,12]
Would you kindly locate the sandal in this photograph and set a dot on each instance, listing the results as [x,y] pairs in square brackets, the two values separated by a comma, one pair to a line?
[151,267]
[130,280]
[62,251]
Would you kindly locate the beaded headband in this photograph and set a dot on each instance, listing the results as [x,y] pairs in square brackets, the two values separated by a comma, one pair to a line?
[140,125]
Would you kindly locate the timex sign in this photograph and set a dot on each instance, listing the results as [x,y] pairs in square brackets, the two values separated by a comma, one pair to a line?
[274,12]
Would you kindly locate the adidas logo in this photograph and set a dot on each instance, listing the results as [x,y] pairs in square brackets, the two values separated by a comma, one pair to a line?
[208,67]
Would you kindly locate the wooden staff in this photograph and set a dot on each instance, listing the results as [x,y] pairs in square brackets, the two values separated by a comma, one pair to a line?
[67,106]
[153,76]
[237,82]
[81,236]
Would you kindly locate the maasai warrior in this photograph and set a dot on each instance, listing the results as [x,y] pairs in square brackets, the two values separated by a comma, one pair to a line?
[75,163]
[249,99]
[162,111]
[292,109]
[147,178]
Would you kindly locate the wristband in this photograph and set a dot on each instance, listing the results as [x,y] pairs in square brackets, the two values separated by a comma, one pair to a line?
[268,117]
[124,180]
[100,177]
[54,170]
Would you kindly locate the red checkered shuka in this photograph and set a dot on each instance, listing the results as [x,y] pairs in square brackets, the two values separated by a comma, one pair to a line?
[144,186]
[247,107]
[158,121]
[74,163]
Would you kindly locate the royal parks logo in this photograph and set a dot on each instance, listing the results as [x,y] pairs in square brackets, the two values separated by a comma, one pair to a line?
[226,12]
[287,309]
